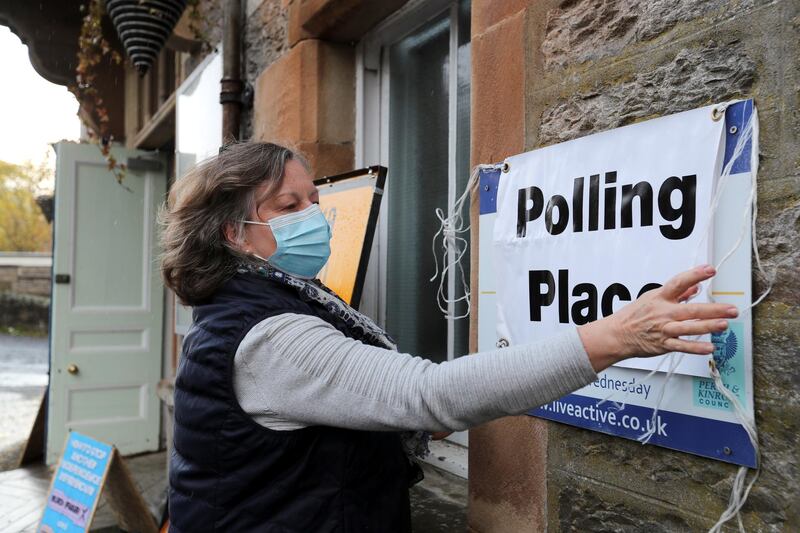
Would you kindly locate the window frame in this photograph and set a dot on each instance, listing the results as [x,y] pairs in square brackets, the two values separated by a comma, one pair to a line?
[372,134]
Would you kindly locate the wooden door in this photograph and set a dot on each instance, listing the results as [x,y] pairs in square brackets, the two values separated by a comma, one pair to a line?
[107,300]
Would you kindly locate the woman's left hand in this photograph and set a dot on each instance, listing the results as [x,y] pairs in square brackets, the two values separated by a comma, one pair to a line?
[653,324]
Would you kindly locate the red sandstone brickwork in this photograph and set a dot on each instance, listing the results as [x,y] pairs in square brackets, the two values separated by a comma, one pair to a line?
[306,100]
[507,457]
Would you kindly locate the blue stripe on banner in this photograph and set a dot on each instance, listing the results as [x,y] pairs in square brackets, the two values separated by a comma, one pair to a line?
[489,181]
[724,441]
[736,117]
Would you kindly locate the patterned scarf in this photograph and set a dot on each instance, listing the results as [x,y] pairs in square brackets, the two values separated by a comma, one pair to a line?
[415,443]
[315,291]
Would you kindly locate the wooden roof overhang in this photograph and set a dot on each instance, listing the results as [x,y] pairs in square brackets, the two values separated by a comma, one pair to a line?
[50,29]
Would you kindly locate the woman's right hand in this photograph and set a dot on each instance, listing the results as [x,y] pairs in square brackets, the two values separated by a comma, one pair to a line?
[654,323]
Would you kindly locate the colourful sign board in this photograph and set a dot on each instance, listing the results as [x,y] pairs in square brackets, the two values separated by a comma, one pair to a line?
[77,482]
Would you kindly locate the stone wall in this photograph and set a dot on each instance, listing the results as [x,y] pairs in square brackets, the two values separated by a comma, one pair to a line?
[29,315]
[265,40]
[24,293]
[264,28]
[301,54]
[25,280]
[591,65]
[304,86]
[306,100]
[507,457]
[299,57]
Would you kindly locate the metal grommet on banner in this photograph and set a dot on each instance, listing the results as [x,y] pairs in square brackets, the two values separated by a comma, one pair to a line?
[718,112]
[506,167]
[732,130]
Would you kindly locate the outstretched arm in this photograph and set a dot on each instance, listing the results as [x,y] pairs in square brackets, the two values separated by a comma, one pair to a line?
[296,370]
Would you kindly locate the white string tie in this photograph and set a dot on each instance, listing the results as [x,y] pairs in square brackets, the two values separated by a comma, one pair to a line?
[739,491]
[453,245]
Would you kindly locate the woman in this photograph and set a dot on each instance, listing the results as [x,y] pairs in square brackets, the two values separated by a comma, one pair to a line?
[293,412]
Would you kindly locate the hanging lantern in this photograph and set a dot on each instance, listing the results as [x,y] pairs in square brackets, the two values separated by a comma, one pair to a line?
[144,26]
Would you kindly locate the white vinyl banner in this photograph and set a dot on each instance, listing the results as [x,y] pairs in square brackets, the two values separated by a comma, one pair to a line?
[571,232]
[586,226]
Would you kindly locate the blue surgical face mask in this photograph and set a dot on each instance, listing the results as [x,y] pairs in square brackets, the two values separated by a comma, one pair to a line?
[304,241]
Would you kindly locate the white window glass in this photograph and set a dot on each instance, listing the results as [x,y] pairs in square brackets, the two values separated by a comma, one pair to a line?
[428,156]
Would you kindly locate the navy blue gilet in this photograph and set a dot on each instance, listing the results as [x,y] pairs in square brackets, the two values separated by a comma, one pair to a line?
[228,473]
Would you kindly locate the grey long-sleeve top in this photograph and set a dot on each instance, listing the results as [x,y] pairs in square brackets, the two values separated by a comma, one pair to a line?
[292,371]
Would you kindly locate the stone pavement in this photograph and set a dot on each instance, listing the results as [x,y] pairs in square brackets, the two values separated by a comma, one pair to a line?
[438,504]
[23,492]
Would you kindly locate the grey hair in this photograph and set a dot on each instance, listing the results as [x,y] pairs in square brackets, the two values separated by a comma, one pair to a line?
[197,257]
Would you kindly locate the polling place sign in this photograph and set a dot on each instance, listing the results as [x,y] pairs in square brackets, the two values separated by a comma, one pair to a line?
[571,232]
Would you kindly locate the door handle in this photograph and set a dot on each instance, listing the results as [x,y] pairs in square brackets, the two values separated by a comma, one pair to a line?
[72,368]
[62,278]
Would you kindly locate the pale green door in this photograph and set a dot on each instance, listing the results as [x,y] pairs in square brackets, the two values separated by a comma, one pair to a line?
[107,301]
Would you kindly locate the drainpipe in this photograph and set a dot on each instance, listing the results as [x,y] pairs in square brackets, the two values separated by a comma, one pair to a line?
[230,95]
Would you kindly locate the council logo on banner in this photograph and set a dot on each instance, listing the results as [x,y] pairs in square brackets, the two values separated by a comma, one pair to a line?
[729,358]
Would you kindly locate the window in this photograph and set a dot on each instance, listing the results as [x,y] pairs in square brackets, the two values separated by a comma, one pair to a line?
[413,94]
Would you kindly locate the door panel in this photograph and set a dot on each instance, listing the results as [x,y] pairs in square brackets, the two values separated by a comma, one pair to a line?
[106,330]
[123,236]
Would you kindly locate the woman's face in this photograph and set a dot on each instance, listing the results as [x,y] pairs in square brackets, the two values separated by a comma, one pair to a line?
[297,192]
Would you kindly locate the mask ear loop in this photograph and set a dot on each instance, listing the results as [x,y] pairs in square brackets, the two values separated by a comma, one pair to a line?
[256,223]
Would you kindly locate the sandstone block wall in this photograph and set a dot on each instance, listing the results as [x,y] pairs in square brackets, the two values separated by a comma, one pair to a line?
[306,99]
[300,58]
[645,60]
[507,457]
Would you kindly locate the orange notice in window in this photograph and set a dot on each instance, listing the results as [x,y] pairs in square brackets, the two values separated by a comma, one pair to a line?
[348,213]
